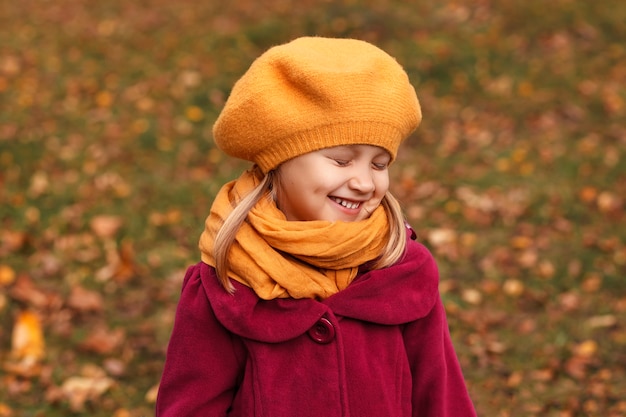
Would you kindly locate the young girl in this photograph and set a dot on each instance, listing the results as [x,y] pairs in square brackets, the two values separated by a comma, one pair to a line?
[312,297]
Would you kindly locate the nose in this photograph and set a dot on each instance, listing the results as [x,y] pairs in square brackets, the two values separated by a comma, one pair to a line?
[362,179]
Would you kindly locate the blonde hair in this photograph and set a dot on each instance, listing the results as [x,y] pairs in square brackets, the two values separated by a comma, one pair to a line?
[225,237]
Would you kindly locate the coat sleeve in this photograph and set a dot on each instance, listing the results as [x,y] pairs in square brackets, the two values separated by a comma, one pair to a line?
[203,360]
[438,385]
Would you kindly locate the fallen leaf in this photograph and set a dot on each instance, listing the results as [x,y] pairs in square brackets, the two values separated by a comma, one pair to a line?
[441,237]
[515,379]
[25,290]
[122,412]
[194,113]
[586,349]
[5,410]
[7,275]
[80,389]
[576,367]
[105,226]
[569,301]
[151,395]
[607,320]
[497,347]
[103,340]
[543,375]
[39,183]
[588,194]
[472,296]
[521,242]
[13,240]
[513,287]
[84,300]
[592,282]
[114,367]
[27,341]
[27,345]
[126,268]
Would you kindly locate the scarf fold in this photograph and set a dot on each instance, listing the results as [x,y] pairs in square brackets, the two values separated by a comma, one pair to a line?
[278,258]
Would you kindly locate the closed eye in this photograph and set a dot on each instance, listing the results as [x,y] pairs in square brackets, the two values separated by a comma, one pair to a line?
[342,162]
[379,167]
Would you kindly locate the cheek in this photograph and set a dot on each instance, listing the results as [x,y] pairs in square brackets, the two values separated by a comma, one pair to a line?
[382,184]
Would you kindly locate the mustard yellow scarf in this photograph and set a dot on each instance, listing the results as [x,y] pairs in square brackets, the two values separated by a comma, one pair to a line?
[278,258]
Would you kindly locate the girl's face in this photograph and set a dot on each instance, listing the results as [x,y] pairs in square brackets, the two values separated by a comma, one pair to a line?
[343,183]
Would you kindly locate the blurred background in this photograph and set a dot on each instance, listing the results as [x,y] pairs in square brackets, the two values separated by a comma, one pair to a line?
[516,180]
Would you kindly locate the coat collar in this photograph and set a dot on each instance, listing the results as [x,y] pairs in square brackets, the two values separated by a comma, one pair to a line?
[395,295]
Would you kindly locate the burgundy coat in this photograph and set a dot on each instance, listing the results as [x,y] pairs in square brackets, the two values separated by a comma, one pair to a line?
[379,348]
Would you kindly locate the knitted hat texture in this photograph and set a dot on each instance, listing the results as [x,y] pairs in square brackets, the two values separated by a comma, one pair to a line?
[314,93]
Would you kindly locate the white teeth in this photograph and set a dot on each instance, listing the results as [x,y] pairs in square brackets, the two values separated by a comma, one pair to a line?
[345,203]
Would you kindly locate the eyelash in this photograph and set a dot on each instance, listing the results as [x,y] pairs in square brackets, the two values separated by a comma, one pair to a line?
[343,163]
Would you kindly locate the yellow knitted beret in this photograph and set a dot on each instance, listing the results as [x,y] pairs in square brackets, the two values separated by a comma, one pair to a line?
[314,93]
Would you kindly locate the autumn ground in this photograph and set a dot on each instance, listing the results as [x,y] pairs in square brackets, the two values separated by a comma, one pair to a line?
[516,181]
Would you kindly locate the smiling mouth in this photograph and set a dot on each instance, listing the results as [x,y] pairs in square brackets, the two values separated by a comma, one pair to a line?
[346,203]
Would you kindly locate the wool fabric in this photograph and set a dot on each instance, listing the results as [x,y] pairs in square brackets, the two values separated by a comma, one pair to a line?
[314,93]
[324,256]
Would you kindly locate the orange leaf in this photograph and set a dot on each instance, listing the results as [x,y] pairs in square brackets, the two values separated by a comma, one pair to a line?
[194,113]
[588,194]
[586,349]
[7,275]
[27,340]
[5,410]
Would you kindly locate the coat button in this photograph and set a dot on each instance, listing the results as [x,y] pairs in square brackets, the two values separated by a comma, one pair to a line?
[323,331]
